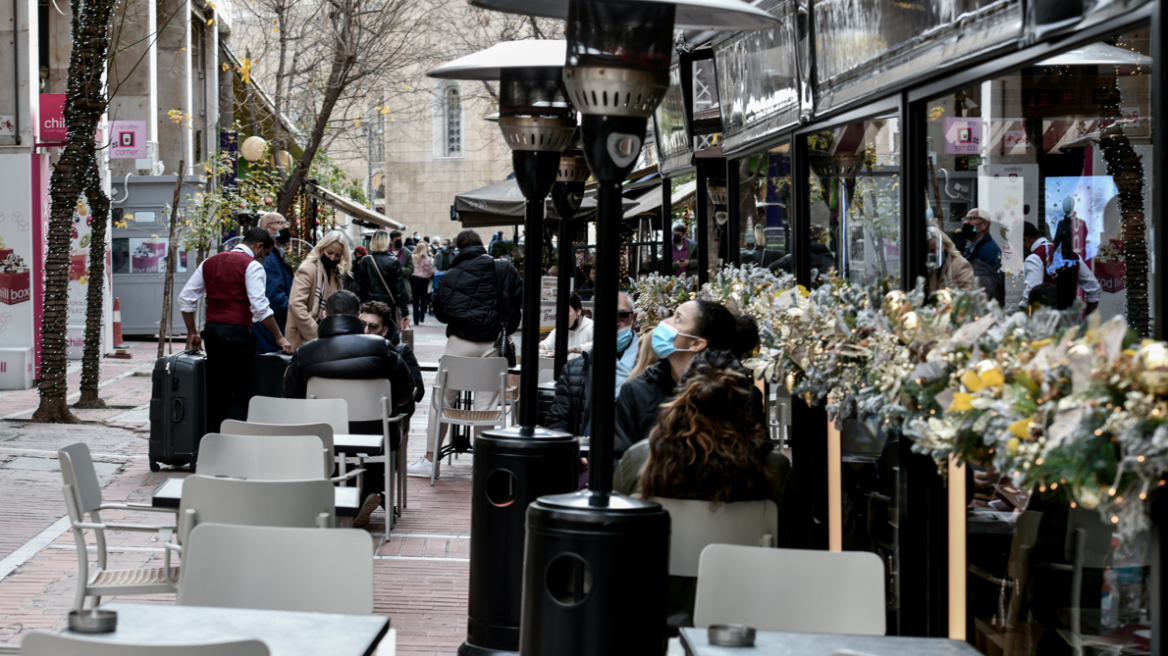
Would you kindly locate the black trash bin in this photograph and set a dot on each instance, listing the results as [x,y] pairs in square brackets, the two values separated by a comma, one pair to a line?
[512,468]
[595,578]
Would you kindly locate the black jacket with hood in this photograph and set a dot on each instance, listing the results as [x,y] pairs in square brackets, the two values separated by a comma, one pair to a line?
[467,300]
[571,407]
[639,403]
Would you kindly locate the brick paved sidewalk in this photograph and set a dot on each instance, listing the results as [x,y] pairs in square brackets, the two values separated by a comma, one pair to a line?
[421,574]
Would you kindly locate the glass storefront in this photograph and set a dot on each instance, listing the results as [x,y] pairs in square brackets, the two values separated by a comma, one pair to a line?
[854,198]
[1039,189]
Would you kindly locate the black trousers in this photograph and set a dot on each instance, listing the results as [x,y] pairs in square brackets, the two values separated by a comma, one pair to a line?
[420,287]
[229,352]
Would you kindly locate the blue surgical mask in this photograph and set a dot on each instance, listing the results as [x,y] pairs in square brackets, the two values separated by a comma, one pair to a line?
[663,337]
[623,339]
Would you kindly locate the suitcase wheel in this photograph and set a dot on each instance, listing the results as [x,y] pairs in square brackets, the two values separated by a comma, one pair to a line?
[154,467]
[192,465]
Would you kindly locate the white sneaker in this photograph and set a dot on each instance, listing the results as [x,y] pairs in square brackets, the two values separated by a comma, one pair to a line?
[420,467]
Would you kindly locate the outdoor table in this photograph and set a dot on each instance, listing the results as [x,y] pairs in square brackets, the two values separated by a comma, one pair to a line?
[286,633]
[353,443]
[782,643]
[170,494]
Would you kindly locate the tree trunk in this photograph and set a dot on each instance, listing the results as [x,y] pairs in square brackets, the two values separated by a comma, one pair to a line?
[1127,171]
[76,171]
[95,300]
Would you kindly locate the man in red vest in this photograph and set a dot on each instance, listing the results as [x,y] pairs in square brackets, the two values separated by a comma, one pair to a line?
[235,286]
[1040,260]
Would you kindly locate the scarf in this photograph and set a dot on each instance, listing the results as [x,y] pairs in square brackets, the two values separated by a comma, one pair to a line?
[317,301]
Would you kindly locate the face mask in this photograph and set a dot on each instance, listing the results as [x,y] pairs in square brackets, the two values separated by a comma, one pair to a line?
[968,231]
[329,263]
[677,240]
[624,338]
[397,244]
[576,323]
[663,337]
[284,236]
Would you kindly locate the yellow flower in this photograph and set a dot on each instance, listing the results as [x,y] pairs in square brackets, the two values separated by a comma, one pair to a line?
[993,378]
[1013,444]
[804,291]
[971,381]
[962,402]
[1041,343]
[1021,428]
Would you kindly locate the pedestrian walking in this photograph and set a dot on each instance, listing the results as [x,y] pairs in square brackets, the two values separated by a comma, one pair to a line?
[420,281]
[319,277]
[235,286]
[477,297]
[380,276]
[279,281]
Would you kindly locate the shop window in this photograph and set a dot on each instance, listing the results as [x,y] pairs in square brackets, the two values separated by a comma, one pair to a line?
[145,255]
[854,199]
[1061,150]
[766,225]
[1064,146]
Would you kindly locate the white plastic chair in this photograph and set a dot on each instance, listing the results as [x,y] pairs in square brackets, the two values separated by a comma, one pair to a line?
[697,524]
[370,400]
[40,643]
[271,410]
[795,590]
[292,569]
[323,431]
[83,495]
[547,370]
[474,375]
[285,458]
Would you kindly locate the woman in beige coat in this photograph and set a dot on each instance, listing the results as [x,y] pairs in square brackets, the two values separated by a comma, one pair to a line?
[318,277]
[952,270]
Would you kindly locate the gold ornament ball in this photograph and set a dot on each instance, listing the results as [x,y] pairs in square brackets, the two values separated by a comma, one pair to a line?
[1153,359]
[893,301]
[908,325]
[942,297]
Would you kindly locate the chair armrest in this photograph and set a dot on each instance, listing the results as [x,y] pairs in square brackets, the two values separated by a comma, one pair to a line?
[348,475]
[982,574]
[106,526]
[135,506]
[396,418]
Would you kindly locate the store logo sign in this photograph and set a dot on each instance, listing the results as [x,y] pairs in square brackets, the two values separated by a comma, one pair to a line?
[128,139]
[963,135]
[53,130]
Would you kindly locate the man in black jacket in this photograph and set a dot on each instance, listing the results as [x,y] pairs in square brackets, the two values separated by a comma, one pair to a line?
[572,406]
[343,350]
[479,297]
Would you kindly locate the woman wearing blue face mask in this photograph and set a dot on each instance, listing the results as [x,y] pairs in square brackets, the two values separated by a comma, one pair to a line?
[694,327]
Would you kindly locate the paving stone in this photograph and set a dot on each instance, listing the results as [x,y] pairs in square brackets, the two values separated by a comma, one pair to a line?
[54,465]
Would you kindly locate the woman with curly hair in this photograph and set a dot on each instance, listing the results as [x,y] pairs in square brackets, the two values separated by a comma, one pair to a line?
[708,442]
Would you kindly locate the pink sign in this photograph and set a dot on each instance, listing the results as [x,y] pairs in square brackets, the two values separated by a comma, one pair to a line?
[53,130]
[962,135]
[127,139]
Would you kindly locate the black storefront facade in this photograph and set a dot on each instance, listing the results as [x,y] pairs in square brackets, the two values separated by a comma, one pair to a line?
[859,124]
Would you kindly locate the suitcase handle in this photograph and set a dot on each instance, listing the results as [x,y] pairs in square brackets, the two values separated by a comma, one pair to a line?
[177,411]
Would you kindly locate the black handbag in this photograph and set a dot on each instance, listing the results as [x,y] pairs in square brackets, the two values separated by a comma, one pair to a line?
[503,342]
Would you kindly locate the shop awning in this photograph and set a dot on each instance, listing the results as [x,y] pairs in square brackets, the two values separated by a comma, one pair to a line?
[652,199]
[360,215]
[502,204]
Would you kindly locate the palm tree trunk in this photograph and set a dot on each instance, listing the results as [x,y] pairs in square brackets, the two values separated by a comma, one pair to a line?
[75,172]
[95,300]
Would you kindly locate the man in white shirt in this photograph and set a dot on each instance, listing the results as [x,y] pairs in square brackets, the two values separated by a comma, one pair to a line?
[1040,256]
[235,286]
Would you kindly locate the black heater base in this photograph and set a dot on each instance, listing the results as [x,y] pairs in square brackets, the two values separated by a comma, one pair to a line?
[512,468]
[595,576]
[467,649]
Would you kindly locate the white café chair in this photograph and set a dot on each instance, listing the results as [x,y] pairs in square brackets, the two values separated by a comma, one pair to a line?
[697,524]
[40,643]
[474,375]
[293,569]
[371,400]
[296,504]
[796,590]
[547,370]
[285,458]
[323,431]
[83,495]
[334,412]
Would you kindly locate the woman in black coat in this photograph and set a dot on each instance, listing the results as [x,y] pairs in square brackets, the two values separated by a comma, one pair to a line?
[379,277]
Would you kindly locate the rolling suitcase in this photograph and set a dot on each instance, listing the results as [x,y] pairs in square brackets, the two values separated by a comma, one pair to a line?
[178,409]
[267,374]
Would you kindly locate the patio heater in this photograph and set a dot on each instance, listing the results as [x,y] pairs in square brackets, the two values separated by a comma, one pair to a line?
[567,194]
[516,465]
[597,562]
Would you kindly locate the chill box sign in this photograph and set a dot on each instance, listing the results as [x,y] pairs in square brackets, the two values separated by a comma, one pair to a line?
[127,139]
[53,130]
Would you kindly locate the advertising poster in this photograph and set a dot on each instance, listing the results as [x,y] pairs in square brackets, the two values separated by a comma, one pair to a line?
[16,256]
[1009,192]
[79,277]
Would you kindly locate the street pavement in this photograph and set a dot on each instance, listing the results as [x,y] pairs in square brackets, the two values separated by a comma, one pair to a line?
[421,573]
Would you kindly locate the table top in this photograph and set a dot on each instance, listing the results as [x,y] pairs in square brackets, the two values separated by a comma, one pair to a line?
[352,443]
[286,633]
[696,643]
[169,495]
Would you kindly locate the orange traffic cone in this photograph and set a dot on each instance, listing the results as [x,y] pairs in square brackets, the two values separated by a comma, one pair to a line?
[119,343]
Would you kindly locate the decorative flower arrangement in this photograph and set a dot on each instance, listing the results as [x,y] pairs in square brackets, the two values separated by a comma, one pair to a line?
[657,296]
[1056,406]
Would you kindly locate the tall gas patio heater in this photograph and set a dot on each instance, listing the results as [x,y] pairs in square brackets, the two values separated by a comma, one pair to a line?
[567,194]
[515,466]
[597,562]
